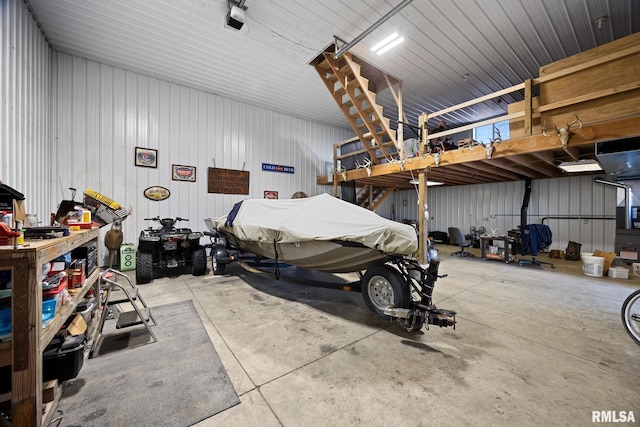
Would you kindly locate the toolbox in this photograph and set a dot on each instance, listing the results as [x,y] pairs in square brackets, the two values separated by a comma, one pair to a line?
[63,357]
[89,253]
[61,360]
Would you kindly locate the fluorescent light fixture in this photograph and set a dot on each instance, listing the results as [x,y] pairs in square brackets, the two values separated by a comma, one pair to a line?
[429,183]
[391,45]
[388,43]
[586,165]
[384,42]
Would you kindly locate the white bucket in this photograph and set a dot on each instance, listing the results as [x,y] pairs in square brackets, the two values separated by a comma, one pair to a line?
[593,265]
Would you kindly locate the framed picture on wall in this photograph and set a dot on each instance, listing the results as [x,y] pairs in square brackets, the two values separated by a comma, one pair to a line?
[183,173]
[270,194]
[146,157]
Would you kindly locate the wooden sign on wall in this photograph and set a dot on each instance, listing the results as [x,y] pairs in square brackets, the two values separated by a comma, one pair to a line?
[228,181]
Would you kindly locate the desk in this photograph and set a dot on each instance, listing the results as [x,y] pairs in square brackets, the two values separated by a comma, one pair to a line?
[509,248]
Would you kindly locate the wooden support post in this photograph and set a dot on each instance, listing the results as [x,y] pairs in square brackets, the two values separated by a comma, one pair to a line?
[423,125]
[26,399]
[528,113]
[423,234]
[400,133]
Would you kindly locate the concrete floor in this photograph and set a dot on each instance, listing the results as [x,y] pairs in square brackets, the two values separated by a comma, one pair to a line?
[532,347]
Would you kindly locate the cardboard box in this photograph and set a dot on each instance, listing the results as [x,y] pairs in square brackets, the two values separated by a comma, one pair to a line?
[75,326]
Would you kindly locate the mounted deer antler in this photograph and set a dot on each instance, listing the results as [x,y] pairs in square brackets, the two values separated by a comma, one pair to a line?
[342,171]
[436,158]
[490,148]
[564,133]
[366,165]
[401,160]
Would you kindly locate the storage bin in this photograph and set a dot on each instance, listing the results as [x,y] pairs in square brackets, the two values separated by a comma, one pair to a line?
[85,308]
[49,308]
[5,321]
[63,357]
[53,287]
[48,313]
[618,272]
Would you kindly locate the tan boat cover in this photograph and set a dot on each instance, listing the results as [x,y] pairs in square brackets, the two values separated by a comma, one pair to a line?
[321,217]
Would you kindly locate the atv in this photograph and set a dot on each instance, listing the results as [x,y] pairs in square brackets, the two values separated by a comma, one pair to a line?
[168,248]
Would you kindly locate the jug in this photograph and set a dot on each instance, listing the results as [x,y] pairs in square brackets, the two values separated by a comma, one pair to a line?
[31,220]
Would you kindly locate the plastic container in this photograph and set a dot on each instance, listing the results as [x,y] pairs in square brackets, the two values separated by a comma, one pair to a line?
[53,286]
[618,272]
[5,321]
[592,265]
[636,268]
[84,309]
[48,311]
[63,357]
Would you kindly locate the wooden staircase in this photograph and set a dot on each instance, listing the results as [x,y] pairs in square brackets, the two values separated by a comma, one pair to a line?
[354,85]
[371,197]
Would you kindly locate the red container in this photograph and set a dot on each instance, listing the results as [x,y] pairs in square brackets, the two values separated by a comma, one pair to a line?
[54,285]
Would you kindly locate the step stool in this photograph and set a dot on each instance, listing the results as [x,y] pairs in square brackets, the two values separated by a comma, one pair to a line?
[115,295]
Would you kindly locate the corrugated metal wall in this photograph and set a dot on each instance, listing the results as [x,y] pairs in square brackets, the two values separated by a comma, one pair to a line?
[25,145]
[100,114]
[69,122]
[497,206]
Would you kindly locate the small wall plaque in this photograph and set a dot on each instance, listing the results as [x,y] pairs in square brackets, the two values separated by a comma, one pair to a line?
[157,193]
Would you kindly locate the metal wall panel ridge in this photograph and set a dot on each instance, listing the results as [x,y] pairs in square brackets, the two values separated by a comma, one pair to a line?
[575,208]
[24,110]
[110,111]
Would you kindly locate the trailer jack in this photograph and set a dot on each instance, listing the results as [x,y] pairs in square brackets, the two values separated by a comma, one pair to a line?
[412,319]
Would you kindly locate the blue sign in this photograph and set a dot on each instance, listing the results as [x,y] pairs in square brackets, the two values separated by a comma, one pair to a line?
[277,168]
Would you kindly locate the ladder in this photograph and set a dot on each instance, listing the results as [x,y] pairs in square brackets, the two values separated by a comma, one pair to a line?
[115,295]
[354,85]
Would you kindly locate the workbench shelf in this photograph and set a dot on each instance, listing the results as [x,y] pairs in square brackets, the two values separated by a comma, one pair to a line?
[23,352]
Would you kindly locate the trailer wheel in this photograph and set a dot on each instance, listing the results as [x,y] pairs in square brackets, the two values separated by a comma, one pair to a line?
[217,267]
[383,286]
[199,262]
[144,267]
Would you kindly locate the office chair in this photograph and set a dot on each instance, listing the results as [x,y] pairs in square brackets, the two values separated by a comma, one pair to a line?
[456,237]
[534,237]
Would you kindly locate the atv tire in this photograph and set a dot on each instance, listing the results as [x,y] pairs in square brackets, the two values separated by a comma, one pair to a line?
[199,262]
[144,268]
[217,267]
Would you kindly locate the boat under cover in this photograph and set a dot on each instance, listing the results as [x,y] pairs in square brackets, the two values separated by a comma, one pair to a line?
[320,233]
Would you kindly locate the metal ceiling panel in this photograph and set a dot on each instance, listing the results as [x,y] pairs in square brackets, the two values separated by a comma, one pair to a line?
[495,43]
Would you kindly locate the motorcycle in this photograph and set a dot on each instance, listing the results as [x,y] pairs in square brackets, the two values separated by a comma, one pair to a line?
[631,316]
[168,248]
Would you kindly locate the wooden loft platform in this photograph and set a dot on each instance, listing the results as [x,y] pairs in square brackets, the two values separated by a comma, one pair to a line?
[599,87]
